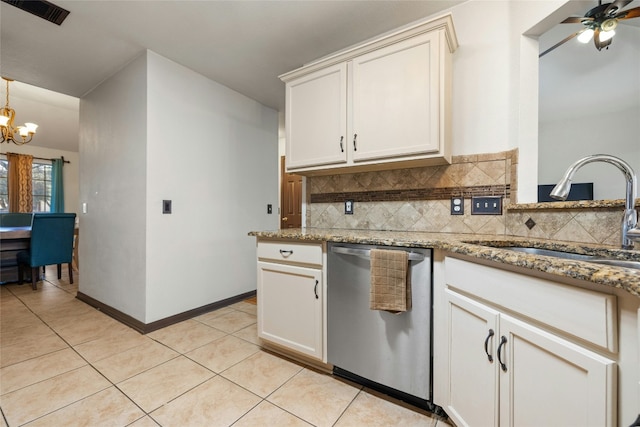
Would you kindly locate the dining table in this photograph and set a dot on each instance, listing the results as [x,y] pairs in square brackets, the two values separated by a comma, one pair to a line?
[14,240]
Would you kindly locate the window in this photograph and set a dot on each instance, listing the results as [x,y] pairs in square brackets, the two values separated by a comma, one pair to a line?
[41,183]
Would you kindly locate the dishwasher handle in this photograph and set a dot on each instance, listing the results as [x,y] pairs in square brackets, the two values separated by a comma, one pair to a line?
[366,253]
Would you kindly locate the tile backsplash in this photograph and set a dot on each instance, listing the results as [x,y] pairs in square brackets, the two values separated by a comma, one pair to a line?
[419,199]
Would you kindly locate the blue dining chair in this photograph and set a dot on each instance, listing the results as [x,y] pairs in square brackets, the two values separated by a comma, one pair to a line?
[51,243]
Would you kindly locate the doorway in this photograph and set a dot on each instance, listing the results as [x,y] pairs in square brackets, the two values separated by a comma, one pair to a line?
[290,198]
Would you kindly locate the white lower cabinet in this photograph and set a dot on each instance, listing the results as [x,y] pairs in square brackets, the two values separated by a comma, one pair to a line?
[290,302]
[504,370]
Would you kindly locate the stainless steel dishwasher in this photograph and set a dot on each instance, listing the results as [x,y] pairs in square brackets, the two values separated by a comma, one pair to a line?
[384,351]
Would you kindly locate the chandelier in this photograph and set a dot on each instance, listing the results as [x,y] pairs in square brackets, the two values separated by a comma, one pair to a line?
[18,135]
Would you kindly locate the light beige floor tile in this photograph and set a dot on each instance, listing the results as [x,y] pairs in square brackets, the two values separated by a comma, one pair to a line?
[213,314]
[250,333]
[217,402]
[223,353]
[85,328]
[144,422]
[232,321]
[68,309]
[18,318]
[134,361]
[44,397]
[107,408]
[262,373]
[267,414]
[14,336]
[30,348]
[186,336]
[245,307]
[114,340]
[38,369]
[369,410]
[157,386]
[316,398]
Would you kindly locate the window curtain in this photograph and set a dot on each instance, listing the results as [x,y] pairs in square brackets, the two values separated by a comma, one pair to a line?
[19,182]
[57,188]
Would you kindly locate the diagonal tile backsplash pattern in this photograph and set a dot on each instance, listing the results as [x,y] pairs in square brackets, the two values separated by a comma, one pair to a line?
[418,199]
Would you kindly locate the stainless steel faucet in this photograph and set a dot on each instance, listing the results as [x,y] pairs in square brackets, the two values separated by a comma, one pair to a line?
[630,231]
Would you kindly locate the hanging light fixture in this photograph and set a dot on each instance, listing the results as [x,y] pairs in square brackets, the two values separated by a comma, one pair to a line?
[18,135]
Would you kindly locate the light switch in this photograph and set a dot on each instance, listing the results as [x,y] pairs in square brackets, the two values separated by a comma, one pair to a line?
[166,206]
[84,208]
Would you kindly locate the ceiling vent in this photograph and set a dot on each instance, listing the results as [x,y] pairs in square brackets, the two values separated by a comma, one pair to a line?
[42,9]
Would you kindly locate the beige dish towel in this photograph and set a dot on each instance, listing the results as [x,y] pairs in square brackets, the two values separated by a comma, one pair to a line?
[390,281]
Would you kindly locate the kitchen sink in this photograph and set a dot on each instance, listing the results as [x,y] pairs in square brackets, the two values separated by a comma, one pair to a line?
[596,259]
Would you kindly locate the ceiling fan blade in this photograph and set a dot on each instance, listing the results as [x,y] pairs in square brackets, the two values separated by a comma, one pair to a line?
[628,14]
[616,6]
[576,20]
[577,33]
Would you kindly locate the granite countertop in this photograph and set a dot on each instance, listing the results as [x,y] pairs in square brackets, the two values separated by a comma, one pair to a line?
[477,246]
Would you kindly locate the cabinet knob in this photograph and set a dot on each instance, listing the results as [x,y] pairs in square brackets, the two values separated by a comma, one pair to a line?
[285,219]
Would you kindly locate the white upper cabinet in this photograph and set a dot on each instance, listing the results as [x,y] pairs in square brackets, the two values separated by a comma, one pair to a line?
[317,118]
[380,105]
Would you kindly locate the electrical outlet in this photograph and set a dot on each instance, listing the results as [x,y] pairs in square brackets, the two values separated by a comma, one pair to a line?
[348,207]
[488,205]
[457,205]
[166,206]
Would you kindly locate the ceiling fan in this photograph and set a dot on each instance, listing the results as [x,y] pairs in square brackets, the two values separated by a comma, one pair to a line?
[599,24]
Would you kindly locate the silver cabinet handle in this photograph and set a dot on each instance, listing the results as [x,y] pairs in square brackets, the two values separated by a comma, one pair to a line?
[355,148]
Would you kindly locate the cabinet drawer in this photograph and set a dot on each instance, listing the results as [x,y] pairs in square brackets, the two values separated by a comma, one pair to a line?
[585,314]
[287,252]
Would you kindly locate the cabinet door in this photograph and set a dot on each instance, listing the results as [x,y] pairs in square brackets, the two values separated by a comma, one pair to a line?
[316,118]
[472,376]
[396,100]
[290,307]
[552,382]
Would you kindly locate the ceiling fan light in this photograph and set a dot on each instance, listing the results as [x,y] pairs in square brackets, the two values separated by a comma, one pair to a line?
[586,36]
[606,35]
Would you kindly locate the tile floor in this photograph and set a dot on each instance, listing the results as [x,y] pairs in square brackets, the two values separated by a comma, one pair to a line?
[64,363]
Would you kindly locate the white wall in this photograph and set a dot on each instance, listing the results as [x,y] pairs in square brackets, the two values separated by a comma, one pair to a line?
[495,80]
[159,131]
[113,174]
[564,141]
[70,172]
[214,153]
